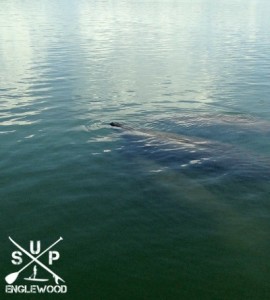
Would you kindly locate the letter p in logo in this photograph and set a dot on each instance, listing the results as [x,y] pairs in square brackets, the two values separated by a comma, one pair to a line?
[53,255]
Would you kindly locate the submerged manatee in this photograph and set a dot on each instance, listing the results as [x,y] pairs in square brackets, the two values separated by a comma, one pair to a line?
[194,155]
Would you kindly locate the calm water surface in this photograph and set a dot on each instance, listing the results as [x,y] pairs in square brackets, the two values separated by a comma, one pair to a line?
[176,209]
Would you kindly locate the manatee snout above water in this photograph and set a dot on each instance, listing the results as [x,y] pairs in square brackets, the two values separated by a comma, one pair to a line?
[186,154]
[115,124]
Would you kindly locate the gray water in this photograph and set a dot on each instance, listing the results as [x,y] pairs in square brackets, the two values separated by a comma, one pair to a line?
[177,207]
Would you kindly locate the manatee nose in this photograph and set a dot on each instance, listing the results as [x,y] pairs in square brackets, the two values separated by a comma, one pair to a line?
[116,124]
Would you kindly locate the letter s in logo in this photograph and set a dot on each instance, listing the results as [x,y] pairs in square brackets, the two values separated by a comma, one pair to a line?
[17,259]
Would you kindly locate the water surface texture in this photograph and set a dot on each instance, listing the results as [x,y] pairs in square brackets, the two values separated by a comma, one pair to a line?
[178,206]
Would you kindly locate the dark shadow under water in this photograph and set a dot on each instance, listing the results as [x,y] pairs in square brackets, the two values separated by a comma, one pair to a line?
[195,157]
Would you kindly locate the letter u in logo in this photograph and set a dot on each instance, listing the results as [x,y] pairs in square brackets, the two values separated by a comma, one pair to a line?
[37,250]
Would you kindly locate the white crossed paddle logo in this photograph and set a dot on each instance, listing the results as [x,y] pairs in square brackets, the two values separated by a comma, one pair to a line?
[13,276]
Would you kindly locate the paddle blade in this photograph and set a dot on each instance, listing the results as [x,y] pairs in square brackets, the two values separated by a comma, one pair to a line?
[11,277]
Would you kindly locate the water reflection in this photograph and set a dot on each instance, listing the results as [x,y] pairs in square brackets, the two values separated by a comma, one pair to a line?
[116,54]
[209,45]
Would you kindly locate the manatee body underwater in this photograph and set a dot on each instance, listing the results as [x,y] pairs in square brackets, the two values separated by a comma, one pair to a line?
[191,155]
